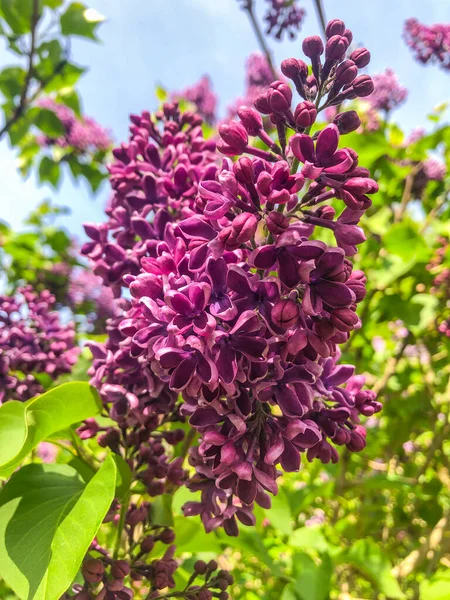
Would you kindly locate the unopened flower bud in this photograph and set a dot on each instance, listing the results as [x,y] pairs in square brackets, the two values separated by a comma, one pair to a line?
[294,69]
[262,105]
[120,569]
[312,46]
[349,35]
[235,135]
[93,570]
[335,27]
[363,86]
[346,72]
[361,57]
[114,585]
[305,114]
[148,543]
[200,567]
[243,169]
[250,119]
[277,223]
[285,313]
[167,536]
[347,121]
[245,226]
[336,47]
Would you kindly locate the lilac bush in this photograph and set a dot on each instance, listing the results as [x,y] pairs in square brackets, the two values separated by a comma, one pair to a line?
[33,341]
[388,93]
[429,43]
[83,134]
[283,17]
[202,95]
[236,302]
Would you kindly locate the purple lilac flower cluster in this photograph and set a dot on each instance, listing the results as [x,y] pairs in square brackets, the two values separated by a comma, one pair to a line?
[439,267]
[32,340]
[388,93]
[284,16]
[105,578]
[83,134]
[155,179]
[86,290]
[201,94]
[236,303]
[258,76]
[429,43]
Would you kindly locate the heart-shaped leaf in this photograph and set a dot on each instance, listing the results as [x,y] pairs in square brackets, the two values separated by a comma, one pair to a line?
[48,519]
[24,424]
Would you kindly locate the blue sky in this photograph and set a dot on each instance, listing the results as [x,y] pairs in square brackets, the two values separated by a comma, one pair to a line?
[174,42]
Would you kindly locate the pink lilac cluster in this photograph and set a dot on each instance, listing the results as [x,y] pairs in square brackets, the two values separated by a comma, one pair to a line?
[201,94]
[429,43]
[239,307]
[258,76]
[87,290]
[439,267]
[388,93]
[155,179]
[434,169]
[33,340]
[284,16]
[83,134]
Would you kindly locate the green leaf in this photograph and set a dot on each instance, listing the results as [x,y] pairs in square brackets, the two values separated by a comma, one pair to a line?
[124,476]
[191,536]
[309,538]
[80,20]
[161,93]
[48,123]
[161,511]
[313,580]
[49,171]
[436,588]
[66,78]
[48,519]
[404,240]
[24,424]
[279,514]
[18,14]
[12,80]
[371,560]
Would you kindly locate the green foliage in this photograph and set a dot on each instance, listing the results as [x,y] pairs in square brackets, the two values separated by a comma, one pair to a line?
[48,518]
[24,424]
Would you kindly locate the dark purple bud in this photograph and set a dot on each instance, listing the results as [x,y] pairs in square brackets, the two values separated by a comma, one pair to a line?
[347,121]
[361,57]
[305,114]
[245,226]
[93,570]
[243,170]
[234,135]
[363,86]
[262,105]
[285,313]
[200,567]
[277,223]
[250,119]
[114,585]
[148,543]
[120,569]
[279,97]
[336,48]
[358,439]
[335,27]
[167,536]
[294,69]
[349,35]
[312,46]
[346,72]
[344,319]
[212,566]
[224,596]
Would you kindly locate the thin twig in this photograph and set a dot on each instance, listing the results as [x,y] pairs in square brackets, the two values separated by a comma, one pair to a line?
[406,197]
[28,77]
[321,15]
[392,363]
[248,7]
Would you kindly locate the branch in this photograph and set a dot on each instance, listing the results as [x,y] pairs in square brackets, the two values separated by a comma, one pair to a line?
[321,15]
[406,197]
[23,96]
[391,365]
[248,7]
